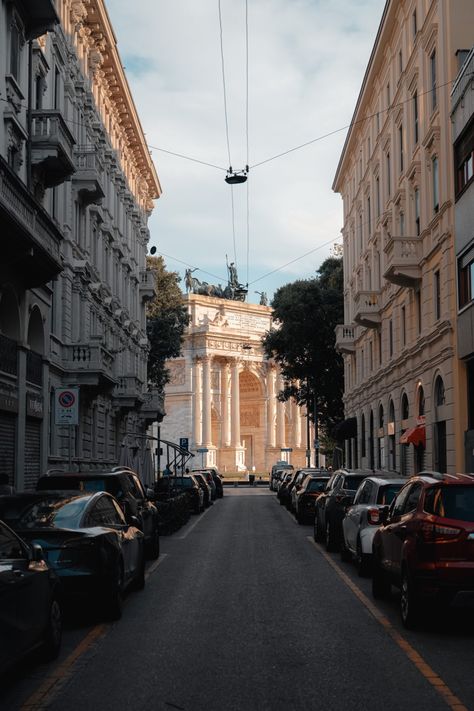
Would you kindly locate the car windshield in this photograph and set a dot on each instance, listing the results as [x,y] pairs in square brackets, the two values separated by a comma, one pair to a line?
[316,485]
[48,512]
[110,484]
[184,481]
[387,493]
[456,502]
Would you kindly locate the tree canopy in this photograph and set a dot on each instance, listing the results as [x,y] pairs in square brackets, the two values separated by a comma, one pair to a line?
[302,341]
[167,319]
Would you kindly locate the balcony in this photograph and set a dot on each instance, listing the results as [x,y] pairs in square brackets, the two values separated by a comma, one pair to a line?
[90,365]
[147,284]
[128,392]
[51,147]
[39,17]
[87,179]
[34,368]
[367,308]
[30,240]
[346,337]
[403,261]
[153,407]
[8,355]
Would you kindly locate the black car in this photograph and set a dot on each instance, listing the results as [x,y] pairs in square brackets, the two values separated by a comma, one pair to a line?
[30,601]
[125,485]
[85,539]
[306,496]
[194,491]
[331,506]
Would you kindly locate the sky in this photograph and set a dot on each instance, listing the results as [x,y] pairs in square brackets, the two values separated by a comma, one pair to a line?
[306,62]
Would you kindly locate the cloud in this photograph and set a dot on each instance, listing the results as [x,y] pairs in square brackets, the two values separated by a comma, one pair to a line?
[307,59]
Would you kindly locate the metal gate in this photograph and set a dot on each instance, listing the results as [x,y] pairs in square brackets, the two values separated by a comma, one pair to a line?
[32,452]
[7,445]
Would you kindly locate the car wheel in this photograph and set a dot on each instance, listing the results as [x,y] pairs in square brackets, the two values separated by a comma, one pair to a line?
[344,552]
[380,583]
[331,543]
[153,546]
[113,601]
[409,602]
[362,561]
[53,634]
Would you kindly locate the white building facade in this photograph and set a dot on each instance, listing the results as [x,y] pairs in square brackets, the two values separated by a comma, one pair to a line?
[78,186]
[395,176]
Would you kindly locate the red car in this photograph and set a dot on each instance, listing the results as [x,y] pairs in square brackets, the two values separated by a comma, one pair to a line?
[425,545]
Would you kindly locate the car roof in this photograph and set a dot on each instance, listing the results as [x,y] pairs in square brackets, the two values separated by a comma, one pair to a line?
[388,480]
[451,479]
[89,474]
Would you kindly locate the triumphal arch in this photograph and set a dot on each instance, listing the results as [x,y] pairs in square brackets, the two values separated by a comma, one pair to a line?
[222,397]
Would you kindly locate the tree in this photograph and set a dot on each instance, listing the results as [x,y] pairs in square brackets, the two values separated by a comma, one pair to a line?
[167,319]
[302,342]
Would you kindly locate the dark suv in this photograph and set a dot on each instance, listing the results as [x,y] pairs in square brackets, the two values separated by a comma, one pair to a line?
[331,506]
[425,545]
[125,485]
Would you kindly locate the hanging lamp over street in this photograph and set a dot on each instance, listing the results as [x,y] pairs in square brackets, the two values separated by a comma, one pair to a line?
[234,177]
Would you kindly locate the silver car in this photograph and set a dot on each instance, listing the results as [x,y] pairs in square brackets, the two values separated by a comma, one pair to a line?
[363,518]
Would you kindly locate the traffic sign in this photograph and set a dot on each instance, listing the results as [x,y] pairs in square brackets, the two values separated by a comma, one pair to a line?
[184,442]
[286,449]
[66,406]
[316,443]
[202,450]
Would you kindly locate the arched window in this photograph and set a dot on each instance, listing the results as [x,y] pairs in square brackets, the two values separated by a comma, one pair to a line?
[421,401]
[405,407]
[371,441]
[362,436]
[392,459]
[440,396]
[381,441]
[439,427]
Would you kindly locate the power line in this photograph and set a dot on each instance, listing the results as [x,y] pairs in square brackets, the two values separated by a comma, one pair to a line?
[306,254]
[223,83]
[180,155]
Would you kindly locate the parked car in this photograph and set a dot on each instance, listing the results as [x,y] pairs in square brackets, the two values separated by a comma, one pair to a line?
[283,488]
[30,601]
[201,480]
[218,478]
[85,539]
[209,477]
[363,518]
[125,485]
[425,545]
[194,491]
[284,493]
[331,505]
[301,475]
[311,488]
[172,504]
[275,474]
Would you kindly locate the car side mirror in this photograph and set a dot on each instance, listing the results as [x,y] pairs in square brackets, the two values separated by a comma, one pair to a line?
[36,552]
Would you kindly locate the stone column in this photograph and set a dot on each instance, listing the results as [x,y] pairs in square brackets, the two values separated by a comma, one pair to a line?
[280,425]
[225,404]
[296,425]
[197,404]
[235,412]
[206,401]
[271,407]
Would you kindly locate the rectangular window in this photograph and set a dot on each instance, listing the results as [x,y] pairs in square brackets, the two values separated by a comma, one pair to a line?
[400,62]
[437,295]
[390,337]
[400,147]
[414,24]
[56,89]
[379,336]
[464,159]
[434,97]
[402,224]
[435,169]
[360,234]
[417,211]
[369,216]
[418,310]
[389,170]
[466,279]
[15,50]
[378,122]
[371,356]
[415,118]
[404,326]
[388,95]
[377,195]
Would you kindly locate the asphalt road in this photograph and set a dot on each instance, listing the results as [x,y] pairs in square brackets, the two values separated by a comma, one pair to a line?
[245,613]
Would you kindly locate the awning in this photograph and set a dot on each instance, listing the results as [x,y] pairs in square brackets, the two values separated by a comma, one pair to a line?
[345,429]
[415,435]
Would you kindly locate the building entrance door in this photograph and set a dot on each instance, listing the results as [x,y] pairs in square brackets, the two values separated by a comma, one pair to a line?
[247,442]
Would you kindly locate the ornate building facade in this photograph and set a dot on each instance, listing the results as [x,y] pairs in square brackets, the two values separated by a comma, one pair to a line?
[222,397]
[395,176]
[77,188]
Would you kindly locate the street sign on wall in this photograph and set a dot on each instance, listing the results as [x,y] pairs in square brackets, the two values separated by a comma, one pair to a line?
[184,442]
[66,406]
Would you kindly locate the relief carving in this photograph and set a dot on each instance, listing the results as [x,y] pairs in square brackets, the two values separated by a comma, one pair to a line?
[177,373]
[249,417]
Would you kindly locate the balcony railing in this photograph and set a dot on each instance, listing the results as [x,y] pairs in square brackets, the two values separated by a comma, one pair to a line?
[52,146]
[404,255]
[8,355]
[345,338]
[33,246]
[129,392]
[153,407]
[147,284]
[87,178]
[34,368]
[90,363]
[367,308]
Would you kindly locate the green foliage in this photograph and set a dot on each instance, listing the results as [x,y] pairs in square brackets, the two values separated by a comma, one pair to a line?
[302,342]
[167,319]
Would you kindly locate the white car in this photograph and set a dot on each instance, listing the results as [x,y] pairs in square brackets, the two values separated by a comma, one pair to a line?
[363,518]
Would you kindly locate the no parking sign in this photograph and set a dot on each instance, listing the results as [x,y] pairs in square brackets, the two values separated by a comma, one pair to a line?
[66,406]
